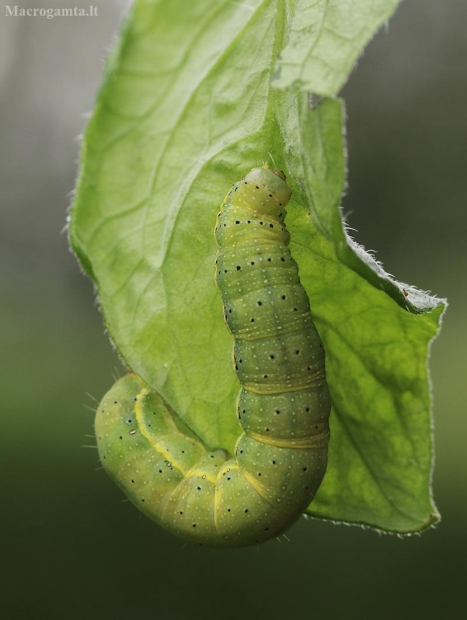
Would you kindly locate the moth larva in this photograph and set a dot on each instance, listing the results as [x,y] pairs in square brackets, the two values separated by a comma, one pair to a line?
[208,497]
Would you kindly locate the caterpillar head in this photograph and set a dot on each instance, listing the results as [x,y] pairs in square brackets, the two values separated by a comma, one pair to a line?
[265,189]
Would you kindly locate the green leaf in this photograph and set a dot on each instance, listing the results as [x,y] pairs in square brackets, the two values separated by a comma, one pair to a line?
[325,39]
[185,110]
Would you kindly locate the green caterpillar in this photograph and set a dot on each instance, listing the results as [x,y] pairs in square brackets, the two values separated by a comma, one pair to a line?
[283,407]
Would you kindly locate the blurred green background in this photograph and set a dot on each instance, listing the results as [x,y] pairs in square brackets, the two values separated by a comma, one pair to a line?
[72,548]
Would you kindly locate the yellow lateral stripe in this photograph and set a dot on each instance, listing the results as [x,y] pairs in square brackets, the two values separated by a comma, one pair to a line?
[168,418]
[166,414]
[254,484]
[304,443]
[194,471]
[154,444]
[251,387]
[251,481]
[231,467]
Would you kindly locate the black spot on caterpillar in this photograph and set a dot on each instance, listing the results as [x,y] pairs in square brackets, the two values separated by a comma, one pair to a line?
[280,458]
